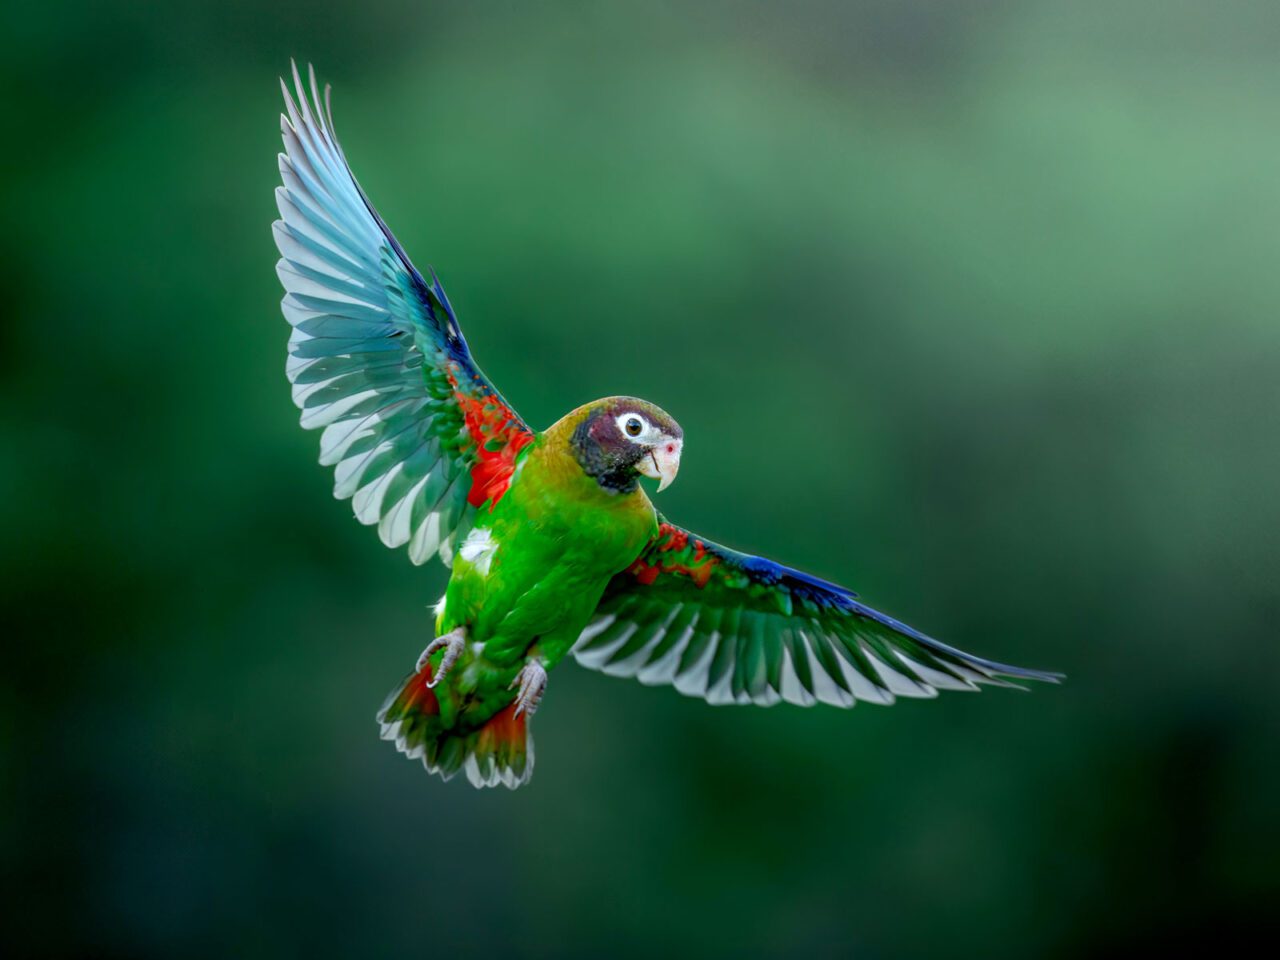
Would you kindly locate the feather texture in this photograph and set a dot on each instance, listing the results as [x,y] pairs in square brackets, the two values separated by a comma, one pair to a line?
[417,436]
[734,628]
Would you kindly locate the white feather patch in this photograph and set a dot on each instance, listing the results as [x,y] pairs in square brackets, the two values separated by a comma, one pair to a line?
[478,549]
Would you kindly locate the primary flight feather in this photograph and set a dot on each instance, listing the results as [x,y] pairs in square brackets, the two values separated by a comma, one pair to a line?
[554,547]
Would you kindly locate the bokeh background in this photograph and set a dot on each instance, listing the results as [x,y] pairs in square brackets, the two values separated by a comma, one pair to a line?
[970,305]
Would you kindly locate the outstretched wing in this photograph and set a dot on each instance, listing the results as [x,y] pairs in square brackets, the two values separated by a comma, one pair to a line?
[418,437]
[734,628]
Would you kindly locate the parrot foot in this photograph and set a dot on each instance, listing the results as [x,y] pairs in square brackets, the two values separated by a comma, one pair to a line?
[452,643]
[533,684]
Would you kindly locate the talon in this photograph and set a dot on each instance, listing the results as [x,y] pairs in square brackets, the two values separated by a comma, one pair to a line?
[452,643]
[533,684]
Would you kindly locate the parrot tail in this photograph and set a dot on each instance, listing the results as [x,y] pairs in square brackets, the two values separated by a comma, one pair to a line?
[500,751]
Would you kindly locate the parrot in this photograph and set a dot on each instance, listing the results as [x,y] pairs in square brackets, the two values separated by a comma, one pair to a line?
[554,548]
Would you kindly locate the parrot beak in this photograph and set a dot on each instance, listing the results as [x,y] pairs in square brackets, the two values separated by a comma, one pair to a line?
[662,463]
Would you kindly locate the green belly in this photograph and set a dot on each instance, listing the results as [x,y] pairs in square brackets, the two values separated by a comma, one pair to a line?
[528,577]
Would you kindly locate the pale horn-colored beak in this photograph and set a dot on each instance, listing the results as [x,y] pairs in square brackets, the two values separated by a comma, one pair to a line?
[662,462]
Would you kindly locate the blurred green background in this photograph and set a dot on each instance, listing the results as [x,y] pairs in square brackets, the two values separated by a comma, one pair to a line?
[970,305]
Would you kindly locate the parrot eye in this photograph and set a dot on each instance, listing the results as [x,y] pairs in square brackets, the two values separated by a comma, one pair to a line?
[634,427]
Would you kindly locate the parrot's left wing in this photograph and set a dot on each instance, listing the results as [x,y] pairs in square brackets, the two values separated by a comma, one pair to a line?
[418,437]
[734,628]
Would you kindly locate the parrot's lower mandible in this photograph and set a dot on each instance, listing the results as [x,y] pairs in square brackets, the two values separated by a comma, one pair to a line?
[554,547]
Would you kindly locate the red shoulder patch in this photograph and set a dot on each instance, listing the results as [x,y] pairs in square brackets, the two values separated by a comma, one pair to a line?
[498,437]
[671,552]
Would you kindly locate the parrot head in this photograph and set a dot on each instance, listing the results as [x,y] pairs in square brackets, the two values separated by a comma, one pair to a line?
[619,439]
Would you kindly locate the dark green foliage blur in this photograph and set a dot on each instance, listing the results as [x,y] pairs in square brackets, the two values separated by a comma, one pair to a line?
[971,305]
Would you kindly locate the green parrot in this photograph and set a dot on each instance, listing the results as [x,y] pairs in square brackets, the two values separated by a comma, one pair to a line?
[554,546]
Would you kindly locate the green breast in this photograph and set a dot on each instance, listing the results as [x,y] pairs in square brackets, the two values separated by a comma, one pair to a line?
[538,562]
[558,498]
[532,572]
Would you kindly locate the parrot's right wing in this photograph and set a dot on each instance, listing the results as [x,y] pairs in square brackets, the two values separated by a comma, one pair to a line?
[418,437]
[734,628]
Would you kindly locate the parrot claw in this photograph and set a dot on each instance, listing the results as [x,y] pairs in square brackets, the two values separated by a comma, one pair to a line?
[452,643]
[533,684]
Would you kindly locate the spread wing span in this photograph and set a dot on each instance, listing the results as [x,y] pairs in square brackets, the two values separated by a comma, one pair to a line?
[734,628]
[418,437]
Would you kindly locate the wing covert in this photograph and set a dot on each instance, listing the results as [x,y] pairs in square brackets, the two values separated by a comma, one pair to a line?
[417,436]
[735,628]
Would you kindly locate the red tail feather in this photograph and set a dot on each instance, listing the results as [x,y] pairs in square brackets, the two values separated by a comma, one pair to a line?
[416,697]
[499,751]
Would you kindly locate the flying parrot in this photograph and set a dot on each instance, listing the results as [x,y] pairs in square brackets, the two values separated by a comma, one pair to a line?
[554,547]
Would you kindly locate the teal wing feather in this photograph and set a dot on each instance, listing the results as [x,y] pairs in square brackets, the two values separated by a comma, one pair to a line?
[417,436]
[735,628]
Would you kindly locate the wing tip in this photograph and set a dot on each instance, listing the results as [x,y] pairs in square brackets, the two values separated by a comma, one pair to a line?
[997,674]
[1022,673]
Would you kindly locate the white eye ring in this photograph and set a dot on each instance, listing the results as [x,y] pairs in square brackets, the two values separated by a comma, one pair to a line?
[633,426]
